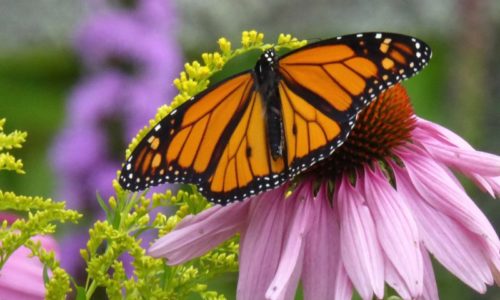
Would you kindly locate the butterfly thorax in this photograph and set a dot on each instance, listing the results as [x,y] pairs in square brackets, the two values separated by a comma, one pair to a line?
[267,80]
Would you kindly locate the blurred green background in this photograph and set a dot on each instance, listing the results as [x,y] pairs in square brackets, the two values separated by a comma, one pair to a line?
[460,89]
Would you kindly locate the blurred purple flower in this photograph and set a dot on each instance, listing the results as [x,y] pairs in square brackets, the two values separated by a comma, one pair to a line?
[158,14]
[130,65]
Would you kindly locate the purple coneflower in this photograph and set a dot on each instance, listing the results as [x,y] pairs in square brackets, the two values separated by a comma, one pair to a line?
[372,214]
[22,275]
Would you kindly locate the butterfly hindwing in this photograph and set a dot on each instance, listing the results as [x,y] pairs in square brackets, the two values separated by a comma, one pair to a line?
[246,166]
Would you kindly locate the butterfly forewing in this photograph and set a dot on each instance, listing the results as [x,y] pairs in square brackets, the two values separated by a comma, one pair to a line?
[182,147]
[337,78]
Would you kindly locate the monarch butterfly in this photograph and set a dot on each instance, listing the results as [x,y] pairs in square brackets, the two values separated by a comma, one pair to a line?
[253,131]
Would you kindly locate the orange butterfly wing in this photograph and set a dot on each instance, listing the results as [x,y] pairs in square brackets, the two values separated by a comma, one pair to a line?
[246,166]
[184,145]
[324,85]
[217,141]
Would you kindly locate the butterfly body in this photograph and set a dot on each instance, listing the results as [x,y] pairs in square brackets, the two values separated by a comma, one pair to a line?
[259,128]
[267,80]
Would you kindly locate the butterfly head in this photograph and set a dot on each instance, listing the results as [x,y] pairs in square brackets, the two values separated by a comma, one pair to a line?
[266,67]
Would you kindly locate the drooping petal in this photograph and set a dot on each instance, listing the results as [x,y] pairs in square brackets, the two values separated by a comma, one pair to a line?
[434,138]
[467,160]
[492,185]
[359,246]
[430,130]
[343,285]
[393,279]
[198,234]
[323,275]
[396,229]
[262,242]
[435,186]
[284,283]
[458,249]
[430,291]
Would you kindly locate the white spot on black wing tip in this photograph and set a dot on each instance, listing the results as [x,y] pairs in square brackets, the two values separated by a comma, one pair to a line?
[378,35]
[359,35]
[173,112]
[157,127]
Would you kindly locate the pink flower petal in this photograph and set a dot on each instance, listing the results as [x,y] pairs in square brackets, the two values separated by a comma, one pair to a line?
[396,229]
[430,288]
[262,242]
[466,160]
[284,283]
[430,130]
[432,136]
[323,275]
[436,187]
[22,275]
[393,279]
[493,185]
[199,234]
[458,249]
[359,247]
[343,285]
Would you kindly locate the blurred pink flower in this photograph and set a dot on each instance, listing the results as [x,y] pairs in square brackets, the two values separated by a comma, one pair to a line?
[404,206]
[22,275]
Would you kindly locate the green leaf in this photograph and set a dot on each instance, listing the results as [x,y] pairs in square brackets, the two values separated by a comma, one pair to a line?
[102,204]
[46,278]
[80,293]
